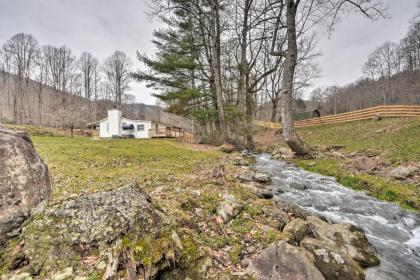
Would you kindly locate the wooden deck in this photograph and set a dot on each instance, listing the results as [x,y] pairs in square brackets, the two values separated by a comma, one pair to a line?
[167,133]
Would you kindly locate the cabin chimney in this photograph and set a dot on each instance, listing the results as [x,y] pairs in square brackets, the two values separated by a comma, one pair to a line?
[114,121]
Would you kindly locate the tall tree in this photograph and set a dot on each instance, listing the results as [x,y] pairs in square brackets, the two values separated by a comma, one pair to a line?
[87,66]
[384,62]
[20,54]
[297,17]
[61,66]
[117,69]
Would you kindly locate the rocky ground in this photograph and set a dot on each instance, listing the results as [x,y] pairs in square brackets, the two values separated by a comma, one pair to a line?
[212,219]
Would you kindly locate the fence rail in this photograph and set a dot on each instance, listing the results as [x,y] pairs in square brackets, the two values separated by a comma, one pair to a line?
[392,111]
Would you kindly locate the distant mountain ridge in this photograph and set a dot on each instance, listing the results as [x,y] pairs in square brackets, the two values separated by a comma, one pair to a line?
[31,102]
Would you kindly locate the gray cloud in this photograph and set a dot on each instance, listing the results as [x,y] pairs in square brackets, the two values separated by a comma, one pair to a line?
[103,26]
[356,37]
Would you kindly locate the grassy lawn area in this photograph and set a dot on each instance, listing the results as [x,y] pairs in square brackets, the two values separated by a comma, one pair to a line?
[83,164]
[179,178]
[396,141]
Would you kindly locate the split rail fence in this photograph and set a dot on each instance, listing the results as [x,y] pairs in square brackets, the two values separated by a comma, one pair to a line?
[391,111]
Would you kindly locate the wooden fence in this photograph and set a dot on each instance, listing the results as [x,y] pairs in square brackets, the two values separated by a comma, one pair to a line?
[392,111]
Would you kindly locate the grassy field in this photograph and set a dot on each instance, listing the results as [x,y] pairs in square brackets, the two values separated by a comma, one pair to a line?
[396,141]
[179,178]
[82,164]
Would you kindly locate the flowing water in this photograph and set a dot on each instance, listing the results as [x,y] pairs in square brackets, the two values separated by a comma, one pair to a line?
[394,232]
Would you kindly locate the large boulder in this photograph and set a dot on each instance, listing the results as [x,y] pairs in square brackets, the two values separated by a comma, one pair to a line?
[120,228]
[282,261]
[348,238]
[24,181]
[334,264]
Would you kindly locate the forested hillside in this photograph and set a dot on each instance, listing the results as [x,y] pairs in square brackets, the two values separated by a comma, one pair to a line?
[34,103]
[51,86]
[391,76]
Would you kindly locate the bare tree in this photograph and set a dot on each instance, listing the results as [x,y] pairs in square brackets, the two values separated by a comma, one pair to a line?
[87,66]
[384,62]
[117,70]
[297,17]
[61,67]
[20,54]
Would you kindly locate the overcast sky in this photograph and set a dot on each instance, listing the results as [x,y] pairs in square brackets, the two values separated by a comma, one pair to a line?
[103,26]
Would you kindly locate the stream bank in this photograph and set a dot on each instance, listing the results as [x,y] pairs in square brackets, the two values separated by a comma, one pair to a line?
[395,232]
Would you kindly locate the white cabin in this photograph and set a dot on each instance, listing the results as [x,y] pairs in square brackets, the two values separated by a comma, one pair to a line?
[116,126]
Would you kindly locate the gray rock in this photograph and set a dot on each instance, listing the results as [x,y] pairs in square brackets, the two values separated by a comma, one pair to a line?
[401,172]
[346,237]
[57,236]
[66,274]
[296,211]
[22,276]
[260,192]
[282,261]
[366,164]
[296,230]
[333,263]
[297,186]
[229,208]
[261,178]
[239,161]
[245,177]
[311,164]
[227,148]
[24,181]
[276,214]
[376,118]
[282,153]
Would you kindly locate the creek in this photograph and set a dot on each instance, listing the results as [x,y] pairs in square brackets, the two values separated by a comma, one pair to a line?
[394,231]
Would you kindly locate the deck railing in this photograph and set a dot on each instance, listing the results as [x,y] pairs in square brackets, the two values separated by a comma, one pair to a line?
[391,111]
[166,132]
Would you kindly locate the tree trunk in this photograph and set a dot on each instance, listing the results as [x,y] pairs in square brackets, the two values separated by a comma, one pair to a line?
[215,65]
[286,101]
[244,77]
[273,111]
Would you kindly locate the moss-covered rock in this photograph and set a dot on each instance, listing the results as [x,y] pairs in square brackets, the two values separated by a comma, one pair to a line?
[296,230]
[333,263]
[348,238]
[283,261]
[121,227]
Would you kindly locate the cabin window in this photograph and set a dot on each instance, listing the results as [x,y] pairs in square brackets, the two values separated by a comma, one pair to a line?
[140,127]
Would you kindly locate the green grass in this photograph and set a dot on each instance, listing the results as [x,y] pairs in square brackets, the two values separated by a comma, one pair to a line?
[81,164]
[385,189]
[171,173]
[398,143]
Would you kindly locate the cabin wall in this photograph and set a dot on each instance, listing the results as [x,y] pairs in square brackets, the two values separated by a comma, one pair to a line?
[104,129]
[141,128]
